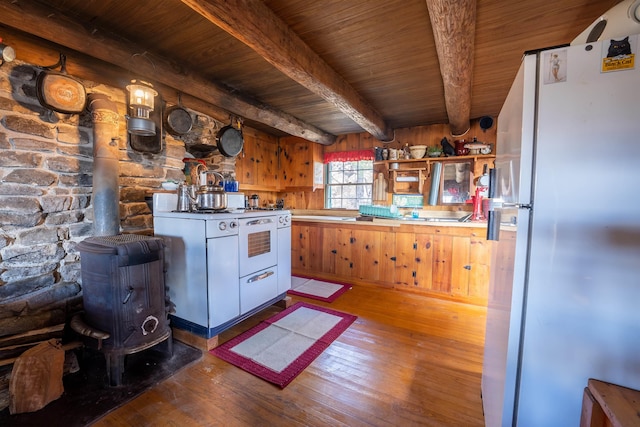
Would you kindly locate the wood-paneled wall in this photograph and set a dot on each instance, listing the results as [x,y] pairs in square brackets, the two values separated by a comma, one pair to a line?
[422,135]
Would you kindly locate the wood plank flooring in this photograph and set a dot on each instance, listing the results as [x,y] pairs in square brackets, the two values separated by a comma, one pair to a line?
[408,360]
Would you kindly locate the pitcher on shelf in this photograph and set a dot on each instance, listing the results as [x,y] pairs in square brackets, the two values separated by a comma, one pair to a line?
[461,150]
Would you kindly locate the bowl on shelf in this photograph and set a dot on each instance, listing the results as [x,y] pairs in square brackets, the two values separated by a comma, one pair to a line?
[169,185]
[418,151]
[434,151]
[475,148]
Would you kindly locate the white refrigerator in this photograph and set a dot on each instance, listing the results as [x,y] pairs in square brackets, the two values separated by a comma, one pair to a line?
[564,303]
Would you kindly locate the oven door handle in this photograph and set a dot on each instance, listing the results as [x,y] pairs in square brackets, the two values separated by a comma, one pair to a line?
[260,221]
[258,277]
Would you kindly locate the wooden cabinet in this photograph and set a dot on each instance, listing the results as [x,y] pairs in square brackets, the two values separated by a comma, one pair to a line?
[424,261]
[342,251]
[300,164]
[447,262]
[257,166]
[313,248]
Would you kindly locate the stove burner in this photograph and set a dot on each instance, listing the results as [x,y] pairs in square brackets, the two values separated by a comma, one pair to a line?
[206,211]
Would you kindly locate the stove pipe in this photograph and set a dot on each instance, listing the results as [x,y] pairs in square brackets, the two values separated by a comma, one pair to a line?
[106,190]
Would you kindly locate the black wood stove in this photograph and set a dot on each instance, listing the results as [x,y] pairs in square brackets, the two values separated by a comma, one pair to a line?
[125,302]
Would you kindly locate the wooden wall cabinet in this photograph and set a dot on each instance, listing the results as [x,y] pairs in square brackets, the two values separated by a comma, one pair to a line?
[446,262]
[257,165]
[300,164]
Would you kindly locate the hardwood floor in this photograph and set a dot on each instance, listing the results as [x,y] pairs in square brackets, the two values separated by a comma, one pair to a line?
[407,360]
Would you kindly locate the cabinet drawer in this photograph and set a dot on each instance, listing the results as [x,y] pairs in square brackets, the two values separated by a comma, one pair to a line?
[258,288]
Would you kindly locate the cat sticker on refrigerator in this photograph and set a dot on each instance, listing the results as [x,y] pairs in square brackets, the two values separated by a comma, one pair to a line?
[619,54]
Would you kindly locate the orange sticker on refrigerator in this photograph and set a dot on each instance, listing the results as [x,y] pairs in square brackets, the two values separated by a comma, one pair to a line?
[618,54]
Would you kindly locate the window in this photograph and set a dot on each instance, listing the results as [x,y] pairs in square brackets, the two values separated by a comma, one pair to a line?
[349,179]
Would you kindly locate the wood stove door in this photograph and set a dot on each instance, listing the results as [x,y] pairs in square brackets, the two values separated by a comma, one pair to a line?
[143,299]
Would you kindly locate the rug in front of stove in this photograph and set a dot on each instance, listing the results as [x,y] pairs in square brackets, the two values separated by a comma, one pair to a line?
[281,347]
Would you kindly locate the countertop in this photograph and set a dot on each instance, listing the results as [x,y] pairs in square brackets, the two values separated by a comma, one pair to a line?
[440,219]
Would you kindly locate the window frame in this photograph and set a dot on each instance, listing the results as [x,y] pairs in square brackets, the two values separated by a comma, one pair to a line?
[360,172]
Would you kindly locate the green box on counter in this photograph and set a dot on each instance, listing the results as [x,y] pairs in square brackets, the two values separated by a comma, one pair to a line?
[408,200]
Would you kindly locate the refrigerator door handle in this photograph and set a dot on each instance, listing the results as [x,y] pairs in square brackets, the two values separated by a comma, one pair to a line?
[493,225]
[517,205]
[491,192]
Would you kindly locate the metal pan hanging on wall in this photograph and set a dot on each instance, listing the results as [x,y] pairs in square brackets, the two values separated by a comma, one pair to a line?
[230,140]
[60,92]
[178,120]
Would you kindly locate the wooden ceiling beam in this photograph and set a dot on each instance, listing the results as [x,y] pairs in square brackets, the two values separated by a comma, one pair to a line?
[45,23]
[255,25]
[454,28]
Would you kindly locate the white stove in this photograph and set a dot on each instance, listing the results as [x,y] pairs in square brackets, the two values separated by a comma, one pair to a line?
[222,266]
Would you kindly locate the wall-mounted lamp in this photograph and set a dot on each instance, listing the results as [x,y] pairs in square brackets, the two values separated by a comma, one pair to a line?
[6,53]
[141,99]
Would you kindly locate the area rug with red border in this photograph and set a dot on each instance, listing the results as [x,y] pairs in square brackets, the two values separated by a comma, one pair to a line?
[281,347]
[316,289]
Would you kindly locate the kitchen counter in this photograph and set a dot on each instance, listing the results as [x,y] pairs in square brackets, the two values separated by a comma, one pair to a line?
[441,259]
[439,221]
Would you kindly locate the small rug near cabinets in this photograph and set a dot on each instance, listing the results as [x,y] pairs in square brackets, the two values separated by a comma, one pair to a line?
[316,289]
[281,347]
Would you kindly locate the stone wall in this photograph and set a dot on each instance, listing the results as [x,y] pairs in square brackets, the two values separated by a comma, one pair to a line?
[46,162]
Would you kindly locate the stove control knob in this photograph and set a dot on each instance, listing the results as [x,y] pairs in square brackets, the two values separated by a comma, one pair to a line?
[233,224]
[281,220]
[222,226]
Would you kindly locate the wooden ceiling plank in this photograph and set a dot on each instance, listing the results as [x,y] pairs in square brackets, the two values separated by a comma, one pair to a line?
[254,24]
[454,25]
[49,25]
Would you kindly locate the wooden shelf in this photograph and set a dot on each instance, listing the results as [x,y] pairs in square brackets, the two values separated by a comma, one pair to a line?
[420,175]
[421,169]
[436,159]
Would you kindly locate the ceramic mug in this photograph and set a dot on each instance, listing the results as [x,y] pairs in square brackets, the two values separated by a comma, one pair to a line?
[393,154]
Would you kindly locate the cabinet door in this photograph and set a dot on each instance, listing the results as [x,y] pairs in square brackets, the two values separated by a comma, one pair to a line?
[246,164]
[344,263]
[266,158]
[405,254]
[296,164]
[366,254]
[387,257]
[299,247]
[298,158]
[329,250]
[316,248]
[471,260]
[441,263]
[257,167]
[460,266]
[424,261]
